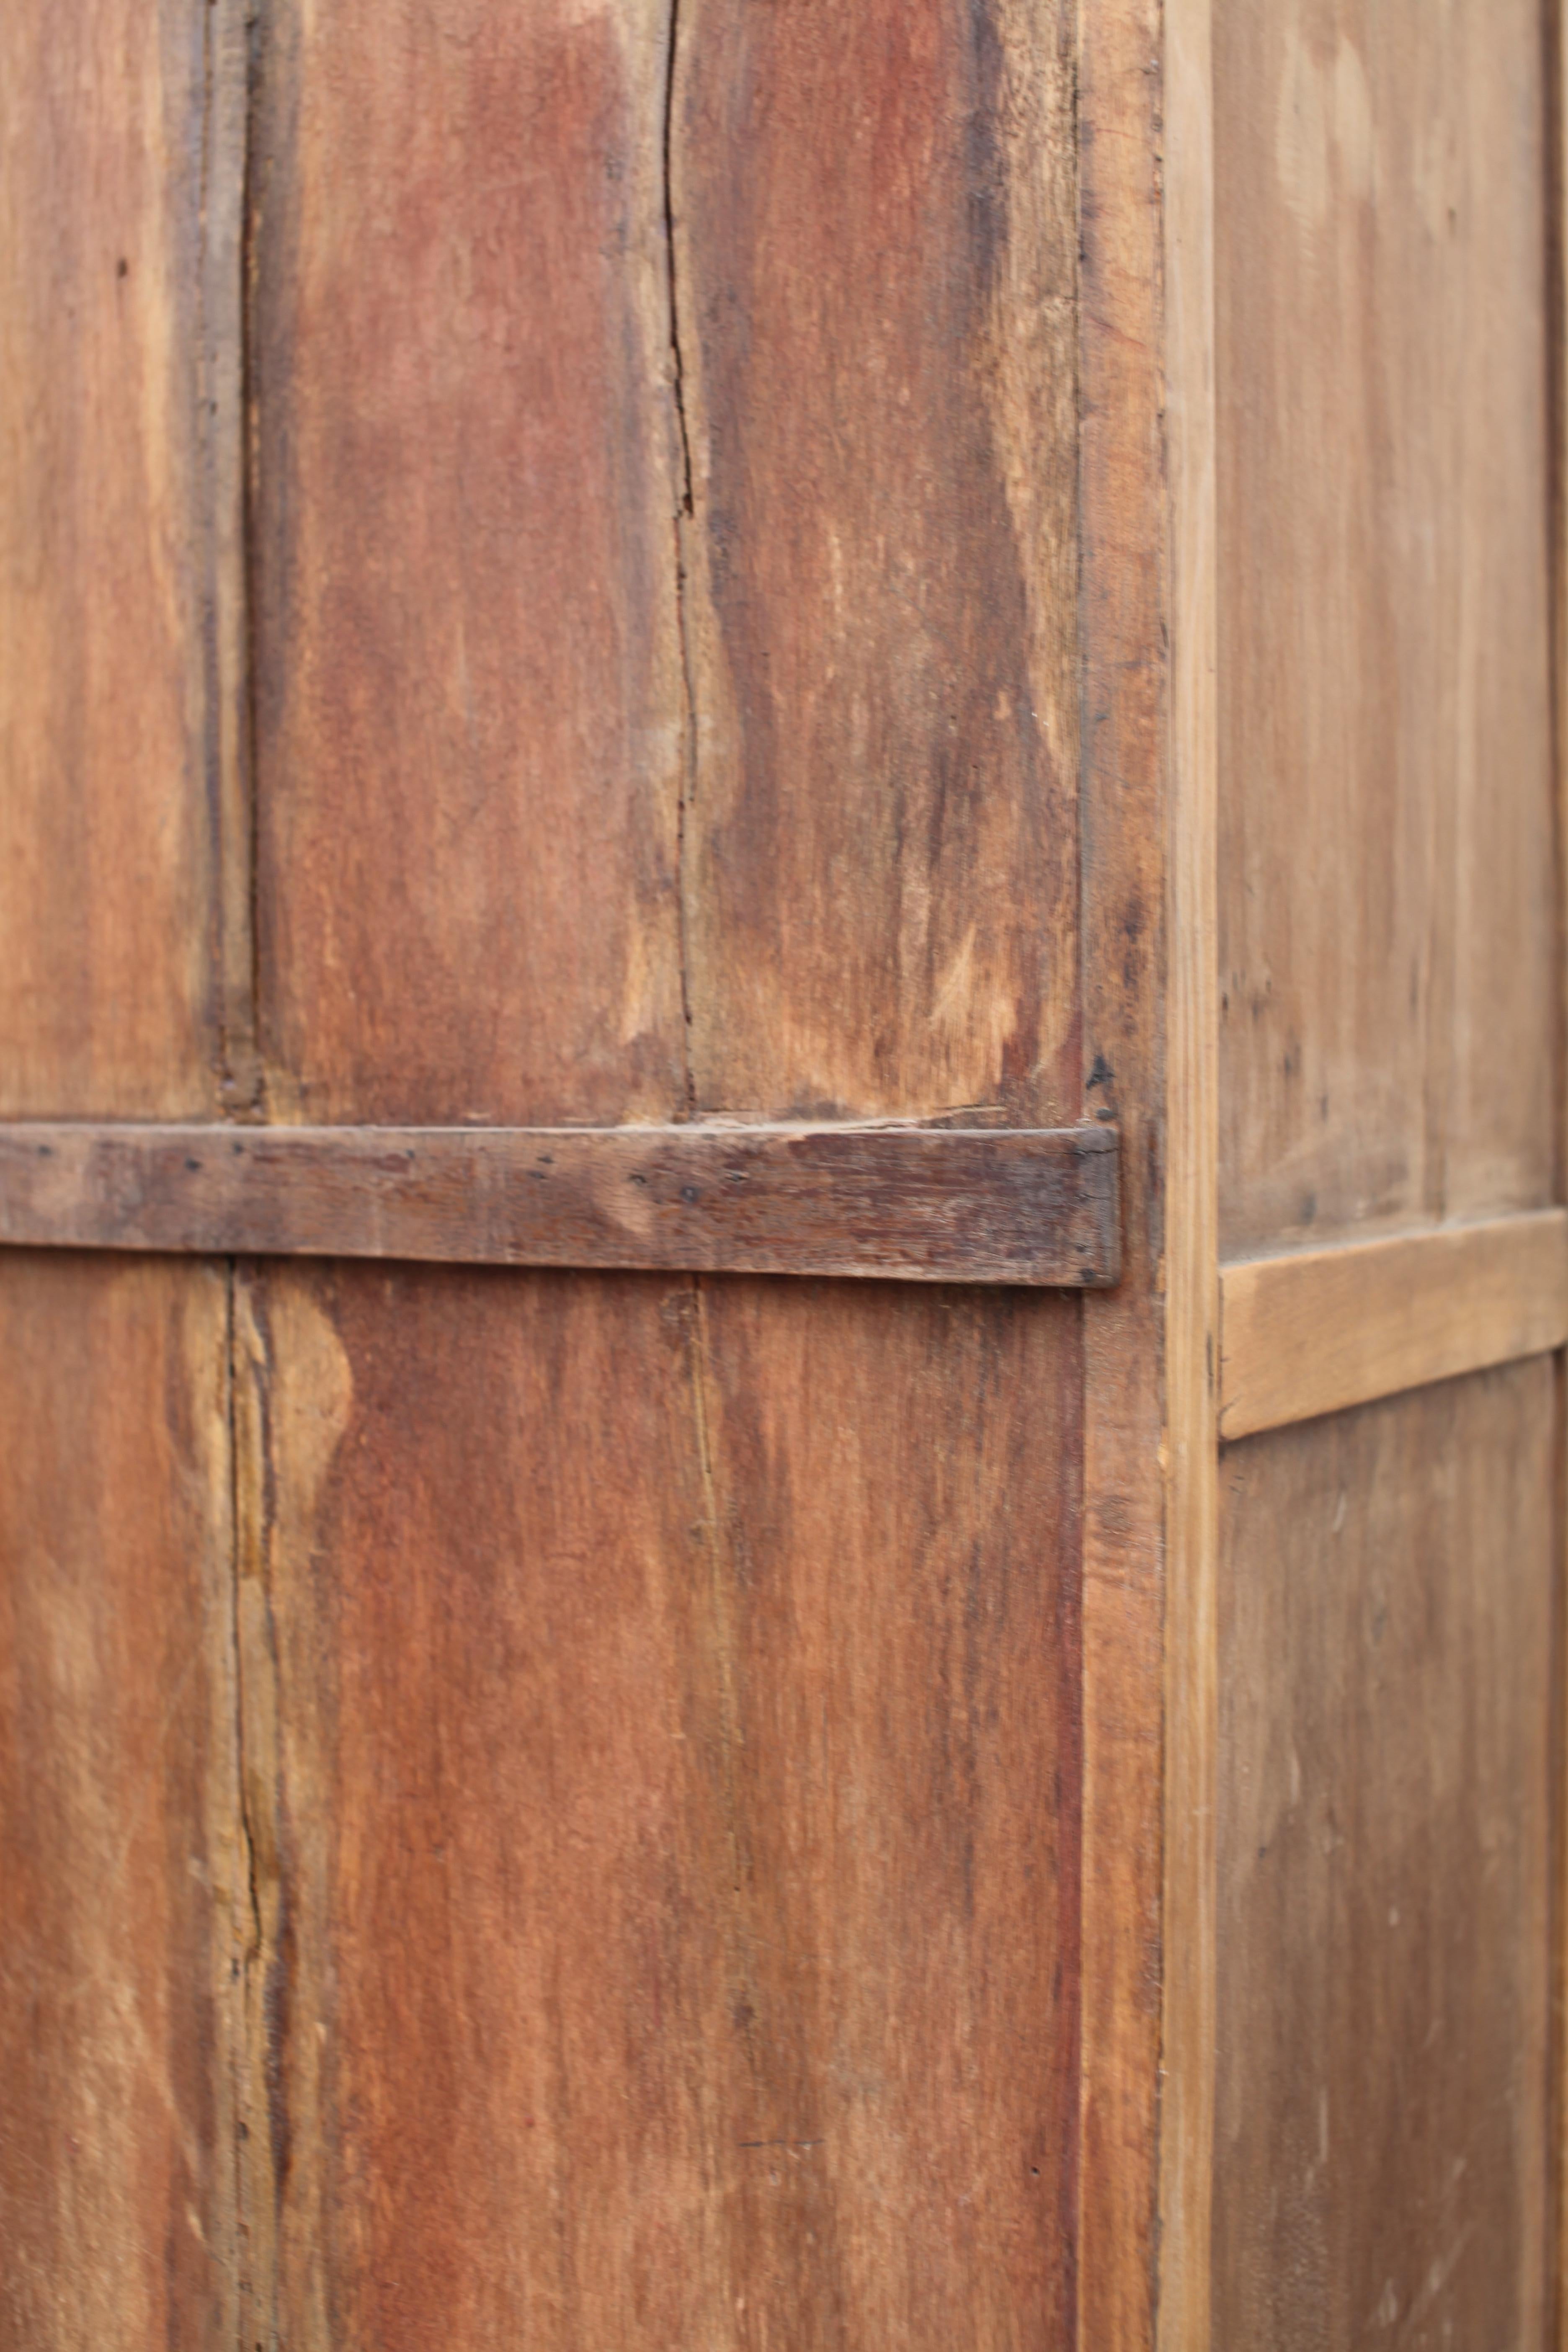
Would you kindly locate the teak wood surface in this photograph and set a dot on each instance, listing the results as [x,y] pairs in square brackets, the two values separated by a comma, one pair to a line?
[661,646]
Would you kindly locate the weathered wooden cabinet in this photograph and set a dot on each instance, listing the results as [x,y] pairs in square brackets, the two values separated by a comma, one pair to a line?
[781,1120]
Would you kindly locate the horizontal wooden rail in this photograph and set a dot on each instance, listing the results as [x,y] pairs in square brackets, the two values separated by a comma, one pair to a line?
[1314,1331]
[923,1204]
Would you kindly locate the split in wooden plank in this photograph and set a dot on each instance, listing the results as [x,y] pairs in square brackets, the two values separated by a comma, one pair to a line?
[994,1205]
[1315,1331]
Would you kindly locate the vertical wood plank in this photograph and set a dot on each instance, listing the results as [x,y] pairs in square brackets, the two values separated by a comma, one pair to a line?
[107,994]
[469,714]
[668,1852]
[895,1522]
[1383,519]
[1554,78]
[874,251]
[1124,519]
[1191,1198]
[1385,1853]
[120,1848]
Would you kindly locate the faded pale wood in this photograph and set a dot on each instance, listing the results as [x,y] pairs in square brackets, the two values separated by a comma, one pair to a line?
[874,243]
[939,1205]
[107,1005]
[125,1888]
[1388,880]
[1124,520]
[676,1829]
[468,687]
[1385,1847]
[1314,1331]
[1556,79]
[1192,1200]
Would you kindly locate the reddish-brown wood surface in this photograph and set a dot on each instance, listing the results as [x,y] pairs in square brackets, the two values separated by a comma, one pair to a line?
[874,272]
[107,1004]
[124,1883]
[676,1866]
[468,666]
[1385,1857]
[722,1799]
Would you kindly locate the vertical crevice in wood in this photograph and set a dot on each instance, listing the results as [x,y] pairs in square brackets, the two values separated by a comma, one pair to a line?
[228,34]
[261,2154]
[684,514]
[250,589]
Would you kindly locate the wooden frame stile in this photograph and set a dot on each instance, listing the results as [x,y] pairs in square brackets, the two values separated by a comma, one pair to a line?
[1554,32]
[1191,1268]
[1123,522]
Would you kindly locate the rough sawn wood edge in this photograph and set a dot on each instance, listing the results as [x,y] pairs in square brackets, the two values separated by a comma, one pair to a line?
[927,1204]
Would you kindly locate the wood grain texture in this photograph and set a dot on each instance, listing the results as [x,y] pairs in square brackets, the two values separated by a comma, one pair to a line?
[1385,1857]
[106,996]
[1313,1331]
[1191,1198]
[1124,518]
[942,1205]
[468,684]
[874,276]
[665,1817]
[1384,510]
[121,1852]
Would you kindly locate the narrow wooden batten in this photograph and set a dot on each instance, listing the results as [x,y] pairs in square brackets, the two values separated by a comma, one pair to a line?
[923,1204]
[1315,1331]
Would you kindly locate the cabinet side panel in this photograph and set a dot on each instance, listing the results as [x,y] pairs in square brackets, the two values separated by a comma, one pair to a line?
[106,985]
[674,1808]
[121,1856]
[1384,1866]
[1387,873]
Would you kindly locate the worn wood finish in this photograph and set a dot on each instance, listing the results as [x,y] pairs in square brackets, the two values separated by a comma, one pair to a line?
[874,248]
[468,676]
[107,1003]
[1383,1845]
[1124,520]
[1387,869]
[669,1844]
[1314,1331]
[125,1899]
[904,1203]
[745,1889]
[1192,1199]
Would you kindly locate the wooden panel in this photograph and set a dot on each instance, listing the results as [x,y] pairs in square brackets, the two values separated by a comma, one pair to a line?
[906,1203]
[671,1810]
[468,685]
[106,1001]
[875,235]
[121,1854]
[1315,1330]
[1387,872]
[1383,1857]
